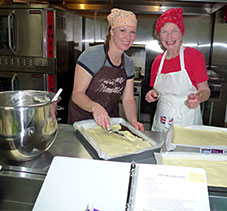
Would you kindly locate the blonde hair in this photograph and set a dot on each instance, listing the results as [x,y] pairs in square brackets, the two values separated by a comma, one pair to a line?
[108,35]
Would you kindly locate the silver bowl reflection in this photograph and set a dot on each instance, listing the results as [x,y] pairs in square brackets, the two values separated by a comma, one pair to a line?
[28,125]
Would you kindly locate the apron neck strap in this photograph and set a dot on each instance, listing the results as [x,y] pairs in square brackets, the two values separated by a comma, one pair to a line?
[106,48]
[162,62]
[181,59]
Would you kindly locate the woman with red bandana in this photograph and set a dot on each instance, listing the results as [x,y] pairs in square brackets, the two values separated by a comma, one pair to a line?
[104,74]
[178,76]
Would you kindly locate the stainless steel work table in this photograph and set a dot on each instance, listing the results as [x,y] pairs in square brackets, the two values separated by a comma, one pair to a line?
[20,182]
[66,144]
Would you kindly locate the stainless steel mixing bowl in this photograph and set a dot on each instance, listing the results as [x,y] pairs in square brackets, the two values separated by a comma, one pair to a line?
[28,125]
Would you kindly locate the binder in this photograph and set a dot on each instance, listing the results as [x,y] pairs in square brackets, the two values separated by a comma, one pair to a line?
[98,185]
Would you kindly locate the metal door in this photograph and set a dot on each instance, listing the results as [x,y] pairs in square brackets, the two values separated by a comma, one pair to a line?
[23,81]
[7,34]
[22,32]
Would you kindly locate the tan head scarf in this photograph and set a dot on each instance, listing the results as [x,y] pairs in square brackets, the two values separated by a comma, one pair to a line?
[119,17]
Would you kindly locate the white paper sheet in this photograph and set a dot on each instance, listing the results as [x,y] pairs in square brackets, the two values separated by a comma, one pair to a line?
[171,188]
[78,184]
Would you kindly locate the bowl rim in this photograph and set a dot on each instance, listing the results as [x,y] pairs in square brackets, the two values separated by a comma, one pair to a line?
[40,104]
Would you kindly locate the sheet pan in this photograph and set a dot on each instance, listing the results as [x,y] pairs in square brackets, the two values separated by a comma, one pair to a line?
[170,146]
[97,153]
[216,178]
[180,151]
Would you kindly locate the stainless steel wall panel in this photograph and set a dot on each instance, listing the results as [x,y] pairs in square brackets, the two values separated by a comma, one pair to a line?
[193,7]
[219,57]
[198,35]
[198,31]
[77,34]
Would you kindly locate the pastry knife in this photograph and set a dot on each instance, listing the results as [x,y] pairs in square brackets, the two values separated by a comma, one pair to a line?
[110,130]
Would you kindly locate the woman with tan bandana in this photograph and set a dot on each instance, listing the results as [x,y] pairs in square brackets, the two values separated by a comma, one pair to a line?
[178,76]
[104,74]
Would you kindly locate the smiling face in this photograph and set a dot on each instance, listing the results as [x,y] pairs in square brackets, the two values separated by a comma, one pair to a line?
[123,37]
[171,36]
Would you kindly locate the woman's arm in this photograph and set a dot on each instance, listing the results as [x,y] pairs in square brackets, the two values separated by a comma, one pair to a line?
[129,105]
[82,80]
[203,91]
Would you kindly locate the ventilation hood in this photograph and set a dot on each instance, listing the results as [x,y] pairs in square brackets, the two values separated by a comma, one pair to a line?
[193,7]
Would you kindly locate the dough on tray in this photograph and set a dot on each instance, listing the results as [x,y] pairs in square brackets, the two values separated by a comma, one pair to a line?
[215,169]
[197,137]
[113,144]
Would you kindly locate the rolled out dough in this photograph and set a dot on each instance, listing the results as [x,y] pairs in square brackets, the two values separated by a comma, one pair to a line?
[196,137]
[113,144]
[216,170]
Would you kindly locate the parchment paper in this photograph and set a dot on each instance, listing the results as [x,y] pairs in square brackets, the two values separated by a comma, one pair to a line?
[88,124]
[169,145]
[214,164]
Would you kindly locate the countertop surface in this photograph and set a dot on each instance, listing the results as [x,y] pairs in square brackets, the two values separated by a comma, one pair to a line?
[66,144]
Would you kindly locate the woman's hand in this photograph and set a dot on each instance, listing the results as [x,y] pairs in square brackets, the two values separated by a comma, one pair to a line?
[138,126]
[101,116]
[203,94]
[193,101]
[152,96]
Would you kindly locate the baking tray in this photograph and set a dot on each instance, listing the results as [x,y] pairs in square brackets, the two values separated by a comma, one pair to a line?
[216,191]
[170,146]
[93,149]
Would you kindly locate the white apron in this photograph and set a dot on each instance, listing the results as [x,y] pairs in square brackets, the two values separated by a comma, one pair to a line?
[174,89]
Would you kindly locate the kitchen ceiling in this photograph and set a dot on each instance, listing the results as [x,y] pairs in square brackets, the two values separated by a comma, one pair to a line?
[193,7]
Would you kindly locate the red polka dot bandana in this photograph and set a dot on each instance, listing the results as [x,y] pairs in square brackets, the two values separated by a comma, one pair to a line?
[119,17]
[174,15]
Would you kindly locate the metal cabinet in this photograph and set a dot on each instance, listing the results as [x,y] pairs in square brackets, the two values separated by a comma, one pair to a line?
[214,110]
[137,96]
